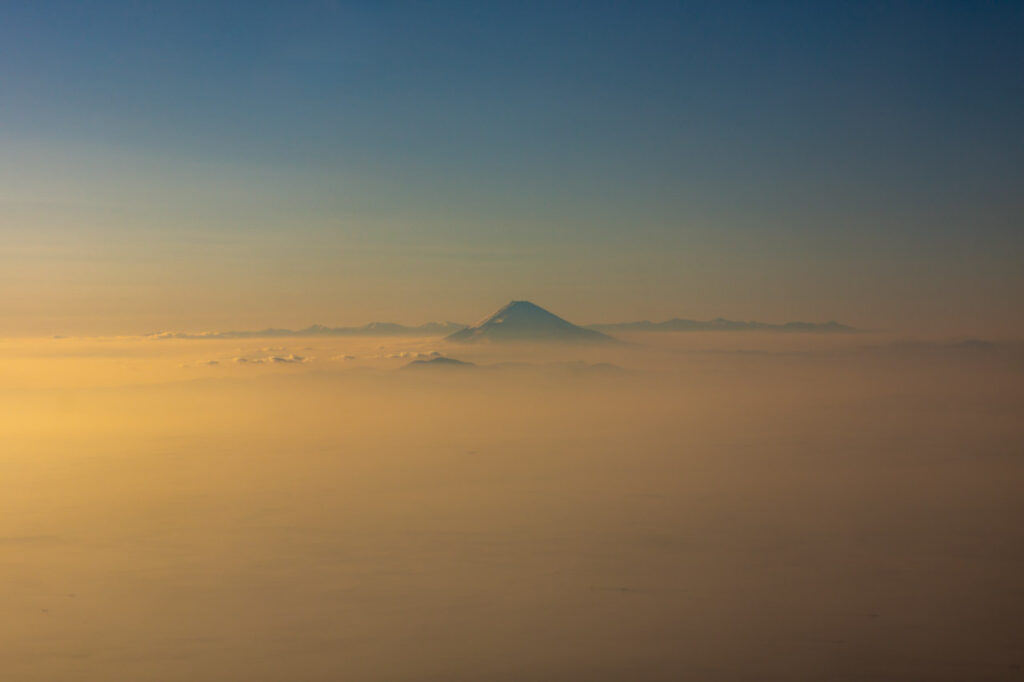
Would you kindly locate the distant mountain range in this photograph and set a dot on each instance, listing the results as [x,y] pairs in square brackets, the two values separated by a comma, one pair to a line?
[720,325]
[372,329]
[519,321]
[525,321]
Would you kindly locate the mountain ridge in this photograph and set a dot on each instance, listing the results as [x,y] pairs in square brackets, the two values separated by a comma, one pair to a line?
[722,324]
[371,329]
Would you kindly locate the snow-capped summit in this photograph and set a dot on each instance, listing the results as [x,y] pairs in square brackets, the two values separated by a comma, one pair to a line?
[525,321]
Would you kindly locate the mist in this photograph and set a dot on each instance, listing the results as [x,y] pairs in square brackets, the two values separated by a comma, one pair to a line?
[713,507]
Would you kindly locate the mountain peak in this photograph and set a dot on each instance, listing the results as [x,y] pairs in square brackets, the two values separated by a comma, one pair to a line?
[525,321]
[519,310]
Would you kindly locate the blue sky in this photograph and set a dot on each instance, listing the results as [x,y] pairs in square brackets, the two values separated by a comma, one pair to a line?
[744,159]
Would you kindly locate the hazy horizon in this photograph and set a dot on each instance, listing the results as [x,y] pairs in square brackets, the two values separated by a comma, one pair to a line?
[445,325]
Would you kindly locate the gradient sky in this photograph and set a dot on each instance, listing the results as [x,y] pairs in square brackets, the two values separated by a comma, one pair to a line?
[201,165]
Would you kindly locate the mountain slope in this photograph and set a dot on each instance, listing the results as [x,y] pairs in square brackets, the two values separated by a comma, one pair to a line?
[525,321]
